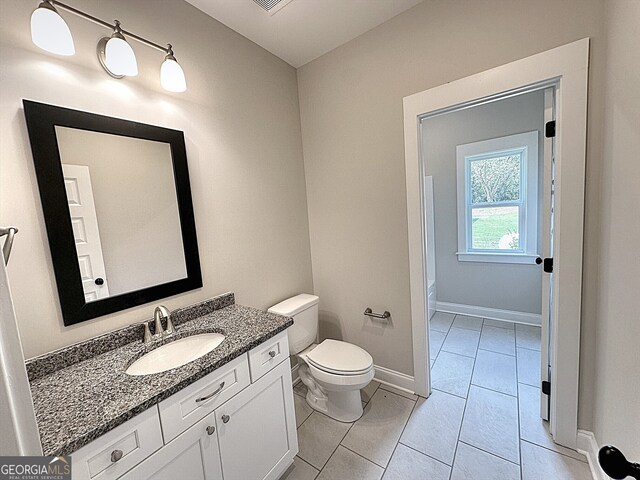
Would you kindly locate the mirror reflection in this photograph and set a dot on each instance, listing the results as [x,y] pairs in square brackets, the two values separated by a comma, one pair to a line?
[122,200]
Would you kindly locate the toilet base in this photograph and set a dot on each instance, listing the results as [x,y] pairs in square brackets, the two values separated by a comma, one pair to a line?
[343,406]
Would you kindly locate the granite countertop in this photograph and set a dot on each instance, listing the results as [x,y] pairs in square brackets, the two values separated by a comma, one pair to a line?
[80,402]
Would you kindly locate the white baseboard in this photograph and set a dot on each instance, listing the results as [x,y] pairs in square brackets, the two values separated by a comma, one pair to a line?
[395,379]
[295,376]
[431,300]
[491,313]
[588,446]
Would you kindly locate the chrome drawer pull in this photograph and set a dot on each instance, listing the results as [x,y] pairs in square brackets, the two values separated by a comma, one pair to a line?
[211,430]
[207,397]
[225,418]
[272,353]
[116,455]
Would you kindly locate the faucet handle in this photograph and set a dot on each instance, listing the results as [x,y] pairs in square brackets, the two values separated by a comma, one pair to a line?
[147,332]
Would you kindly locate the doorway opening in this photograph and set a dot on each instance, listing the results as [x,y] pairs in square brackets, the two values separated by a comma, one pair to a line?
[500,223]
[486,182]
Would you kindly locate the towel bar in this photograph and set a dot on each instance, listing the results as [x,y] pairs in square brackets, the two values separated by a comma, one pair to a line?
[370,313]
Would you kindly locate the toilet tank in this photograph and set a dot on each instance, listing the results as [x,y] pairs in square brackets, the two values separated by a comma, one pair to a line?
[304,310]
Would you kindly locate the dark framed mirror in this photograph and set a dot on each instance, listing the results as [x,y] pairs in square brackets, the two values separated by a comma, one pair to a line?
[117,206]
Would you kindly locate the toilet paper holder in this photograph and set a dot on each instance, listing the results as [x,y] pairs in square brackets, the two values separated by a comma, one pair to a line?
[370,313]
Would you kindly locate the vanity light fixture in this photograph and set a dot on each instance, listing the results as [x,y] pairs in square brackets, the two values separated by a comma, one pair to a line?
[50,32]
[116,55]
[171,74]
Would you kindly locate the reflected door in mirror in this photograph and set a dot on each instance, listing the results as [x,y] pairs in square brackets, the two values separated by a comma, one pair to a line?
[84,221]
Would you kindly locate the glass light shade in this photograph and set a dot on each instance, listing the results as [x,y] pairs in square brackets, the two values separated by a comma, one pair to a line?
[50,32]
[119,57]
[172,76]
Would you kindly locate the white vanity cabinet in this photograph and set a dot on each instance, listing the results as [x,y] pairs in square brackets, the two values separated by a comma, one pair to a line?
[193,455]
[257,428]
[229,425]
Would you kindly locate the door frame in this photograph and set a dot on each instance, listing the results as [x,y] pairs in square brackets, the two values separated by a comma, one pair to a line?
[546,252]
[566,68]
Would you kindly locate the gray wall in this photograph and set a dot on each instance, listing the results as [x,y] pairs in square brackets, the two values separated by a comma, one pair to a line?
[514,287]
[241,122]
[352,128]
[617,360]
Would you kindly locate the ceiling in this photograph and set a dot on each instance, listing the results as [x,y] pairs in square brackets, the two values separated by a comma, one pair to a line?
[299,31]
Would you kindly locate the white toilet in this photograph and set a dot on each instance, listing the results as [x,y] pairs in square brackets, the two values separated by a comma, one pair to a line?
[334,371]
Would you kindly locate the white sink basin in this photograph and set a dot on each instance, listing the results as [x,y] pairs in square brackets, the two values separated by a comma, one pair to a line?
[175,354]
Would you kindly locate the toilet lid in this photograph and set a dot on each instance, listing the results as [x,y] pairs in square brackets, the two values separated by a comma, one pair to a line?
[340,357]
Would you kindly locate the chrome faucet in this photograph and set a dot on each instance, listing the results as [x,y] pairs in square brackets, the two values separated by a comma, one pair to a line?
[159,312]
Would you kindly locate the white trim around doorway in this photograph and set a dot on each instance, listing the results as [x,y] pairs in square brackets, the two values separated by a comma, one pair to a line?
[565,68]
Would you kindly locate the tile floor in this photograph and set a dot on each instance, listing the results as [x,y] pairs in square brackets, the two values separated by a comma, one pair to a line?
[481,421]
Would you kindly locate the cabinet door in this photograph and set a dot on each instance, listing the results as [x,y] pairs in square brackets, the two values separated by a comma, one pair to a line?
[193,455]
[257,428]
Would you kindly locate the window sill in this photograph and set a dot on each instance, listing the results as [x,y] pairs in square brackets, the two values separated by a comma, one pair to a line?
[517,258]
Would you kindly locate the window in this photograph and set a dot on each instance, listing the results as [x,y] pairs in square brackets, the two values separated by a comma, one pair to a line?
[498,199]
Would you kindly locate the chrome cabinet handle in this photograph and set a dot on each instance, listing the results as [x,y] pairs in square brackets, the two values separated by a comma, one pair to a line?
[211,430]
[272,353]
[116,455]
[225,418]
[207,397]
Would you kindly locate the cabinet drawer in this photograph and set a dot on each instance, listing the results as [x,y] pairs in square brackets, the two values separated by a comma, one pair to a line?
[268,355]
[132,442]
[185,408]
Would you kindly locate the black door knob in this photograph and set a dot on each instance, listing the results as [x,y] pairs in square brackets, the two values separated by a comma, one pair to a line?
[614,463]
[538,261]
[99,281]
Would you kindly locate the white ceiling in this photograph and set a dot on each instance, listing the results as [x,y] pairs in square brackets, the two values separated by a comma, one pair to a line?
[303,30]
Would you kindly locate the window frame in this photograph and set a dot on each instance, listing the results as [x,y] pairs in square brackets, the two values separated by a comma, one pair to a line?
[525,144]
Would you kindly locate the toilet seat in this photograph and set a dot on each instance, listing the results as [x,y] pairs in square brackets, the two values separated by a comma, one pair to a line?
[340,358]
[337,372]
[336,382]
